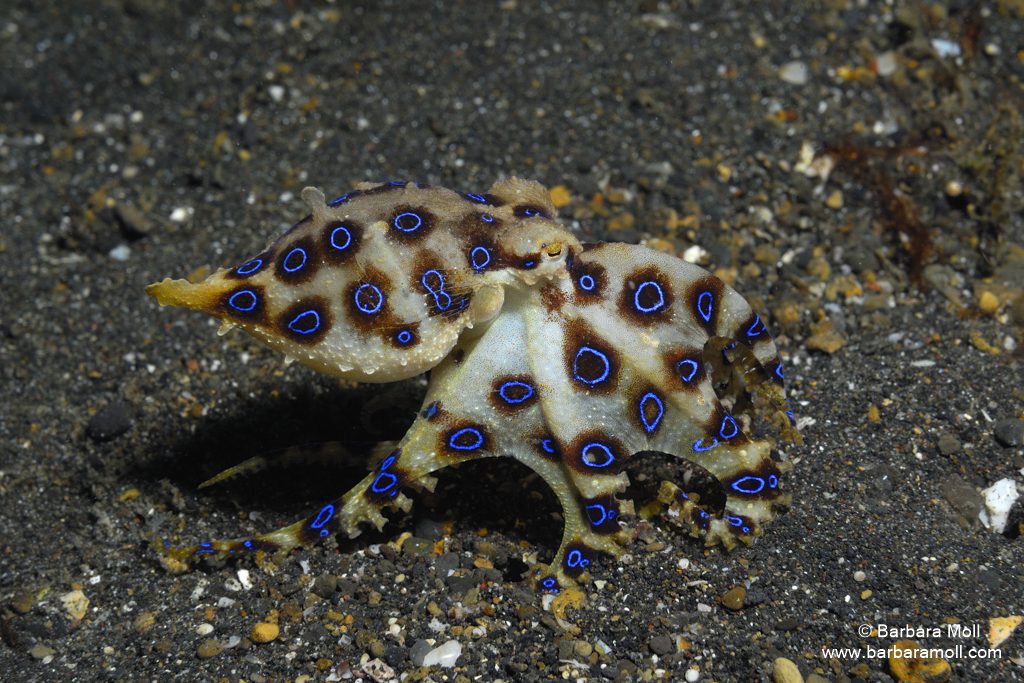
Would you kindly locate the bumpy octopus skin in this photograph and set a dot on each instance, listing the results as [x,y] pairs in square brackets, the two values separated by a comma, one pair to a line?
[570,358]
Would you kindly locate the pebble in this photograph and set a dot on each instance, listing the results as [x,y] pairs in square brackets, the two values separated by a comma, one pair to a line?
[948,444]
[917,669]
[582,648]
[325,585]
[794,72]
[662,644]
[1009,432]
[41,651]
[419,651]
[23,601]
[417,547]
[264,632]
[444,656]
[785,671]
[204,629]
[835,200]
[75,604]
[209,648]
[110,422]
[734,598]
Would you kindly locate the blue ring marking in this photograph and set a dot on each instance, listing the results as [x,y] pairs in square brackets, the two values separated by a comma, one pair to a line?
[599,354]
[529,264]
[369,310]
[480,258]
[296,326]
[439,292]
[249,267]
[575,559]
[654,307]
[387,462]
[487,218]
[587,283]
[471,447]
[419,222]
[706,305]
[753,330]
[548,446]
[693,368]
[515,383]
[773,481]
[379,485]
[653,424]
[397,183]
[205,548]
[431,410]
[778,371]
[248,544]
[728,420]
[699,446]
[348,238]
[758,482]
[605,514]
[340,200]
[403,337]
[284,263]
[530,212]
[550,584]
[703,515]
[608,455]
[322,517]
[735,521]
[792,417]
[478,198]
[254,300]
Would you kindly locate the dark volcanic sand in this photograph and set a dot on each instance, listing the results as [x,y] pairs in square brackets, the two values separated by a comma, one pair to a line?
[140,140]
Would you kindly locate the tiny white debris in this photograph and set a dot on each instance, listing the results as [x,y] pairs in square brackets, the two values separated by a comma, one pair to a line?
[276,92]
[243,578]
[683,563]
[999,499]
[198,591]
[121,252]
[695,254]
[233,585]
[886,63]
[93,580]
[233,641]
[225,602]
[204,629]
[182,214]
[703,608]
[692,675]
[794,72]
[444,656]
[923,363]
[545,602]
[945,48]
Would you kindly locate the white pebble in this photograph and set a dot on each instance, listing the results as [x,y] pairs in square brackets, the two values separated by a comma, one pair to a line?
[945,48]
[886,63]
[999,499]
[692,675]
[243,578]
[795,72]
[121,252]
[182,214]
[204,629]
[276,92]
[444,656]
[859,576]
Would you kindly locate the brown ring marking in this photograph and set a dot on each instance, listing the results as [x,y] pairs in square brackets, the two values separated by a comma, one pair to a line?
[513,393]
[721,425]
[256,304]
[595,453]
[755,483]
[602,513]
[464,438]
[686,369]
[297,324]
[589,280]
[263,257]
[705,302]
[591,363]
[331,237]
[408,223]
[646,297]
[302,256]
